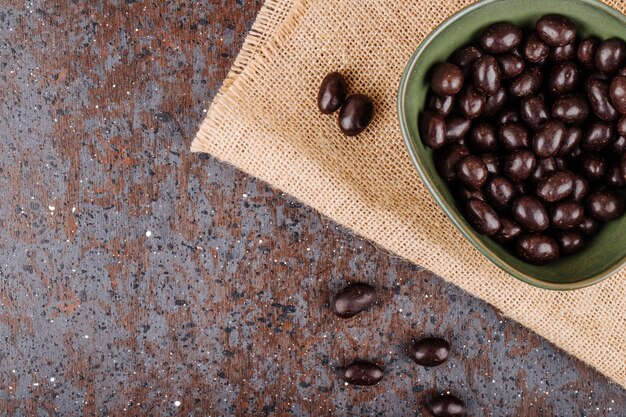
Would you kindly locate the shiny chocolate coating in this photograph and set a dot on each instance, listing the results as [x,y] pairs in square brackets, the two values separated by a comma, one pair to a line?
[622,166]
[471,102]
[509,230]
[465,57]
[535,50]
[356,114]
[527,83]
[456,128]
[511,65]
[472,171]
[332,93]
[581,188]
[563,79]
[617,92]
[500,37]
[483,138]
[586,53]
[500,192]
[555,30]
[432,129]
[482,216]
[446,79]
[537,249]
[563,53]
[496,102]
[514,136]
[566,215]
[446,406]
[448,158]
[614,177]
[589,226]
[544,167]
[430,351]
[530,214]
[441,105]
[487,76]
[492,163]
[463,194]
[363,373]
[570,241]
[605,205]
[598,96]
[593,165]
[572,139]
[556,186]
[548,139]
[508,115]
[597,136]
[621,126]
[570,109]
[610,55]
[533,111]
[519,165]
[353,299]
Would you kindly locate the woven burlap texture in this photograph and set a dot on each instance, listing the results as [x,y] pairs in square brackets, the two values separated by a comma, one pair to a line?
[265,121]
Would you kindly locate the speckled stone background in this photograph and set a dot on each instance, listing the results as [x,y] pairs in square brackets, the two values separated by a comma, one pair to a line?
[139,279]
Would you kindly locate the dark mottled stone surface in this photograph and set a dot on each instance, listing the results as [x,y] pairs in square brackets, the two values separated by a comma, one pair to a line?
[138,279]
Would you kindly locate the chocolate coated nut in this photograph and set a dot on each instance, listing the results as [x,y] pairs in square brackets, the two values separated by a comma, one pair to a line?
[509,231]
[353,299]
[622,166]
[572,139]
[593,165]
[446,79]
[472,171]
[496,102]
[570,109]
[448,158]
[483,138]
[617,92]
[586,53]
[589,226]
[500,193]
[566,215]
[487,75]
[563,79]
[430,351]
[500,37]
[356,114]
[605,205]
[492,163]
[563,53]
[598,96]
[548,139]
[597,136]
[432,129]
[527,83]
[471,102]
[511,65]
[514,136]
[610,55]
[535,50]
[537,249]
[556,186]
[544,167]
[447,406]
[441,105]
[530,214]
[363,373]
[465,57]
[581,188]
[621,126]
[482,216]
[556,30]
[614,178]
[464,194]
[332,93]
[508,115]
[457,127]
[533,111]
[570,242]
[518,165]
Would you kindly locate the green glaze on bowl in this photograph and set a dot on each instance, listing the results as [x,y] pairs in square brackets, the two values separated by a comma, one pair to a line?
[605,253]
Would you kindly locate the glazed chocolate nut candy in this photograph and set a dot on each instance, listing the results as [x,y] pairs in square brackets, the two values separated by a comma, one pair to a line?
[619,146]
[432,129]
[544,167]
[598,96]
[500,193]
[492,163]
[430,351]
[605,205]
[621,126]
[332,93]
[446,79]
[447,406]
[570,109]
[555,30]
[527,83]
[353,299]
[617,92]
[465,57]
[593,165]
[597,136]
[563,79]
[610,56]
[548,139]
[487,76]
[535,50]
[556,186]
[482,216]
[496,102]
[533,111]
[511,65]
[509,231]
[356,114]
[500,37]
[514,136]
[563,53]
[363,373]
[521,188]
[581,188]
[537,249]
[573,136]
[530,214]
[570,242]
[464,194]
[483,138]
[622,166]
[566,215]
[560,163]
[508,115]
[456,128]
[448,158]
[441,105]
[472,171]
[471,102]
[519,165]
[589,226]
[586,53]
[614,178]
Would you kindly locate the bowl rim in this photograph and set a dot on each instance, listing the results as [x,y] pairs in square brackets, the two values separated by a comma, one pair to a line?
[427,180]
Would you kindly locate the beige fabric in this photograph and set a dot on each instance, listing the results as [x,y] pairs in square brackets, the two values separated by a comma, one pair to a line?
[265,121]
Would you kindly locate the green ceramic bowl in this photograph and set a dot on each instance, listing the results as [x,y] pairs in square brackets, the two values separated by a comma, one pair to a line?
[604,254]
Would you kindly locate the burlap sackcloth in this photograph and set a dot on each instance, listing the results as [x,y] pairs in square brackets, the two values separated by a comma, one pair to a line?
[265,121]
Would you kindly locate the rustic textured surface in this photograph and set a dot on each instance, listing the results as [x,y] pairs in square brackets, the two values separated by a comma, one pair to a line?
[223,307]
